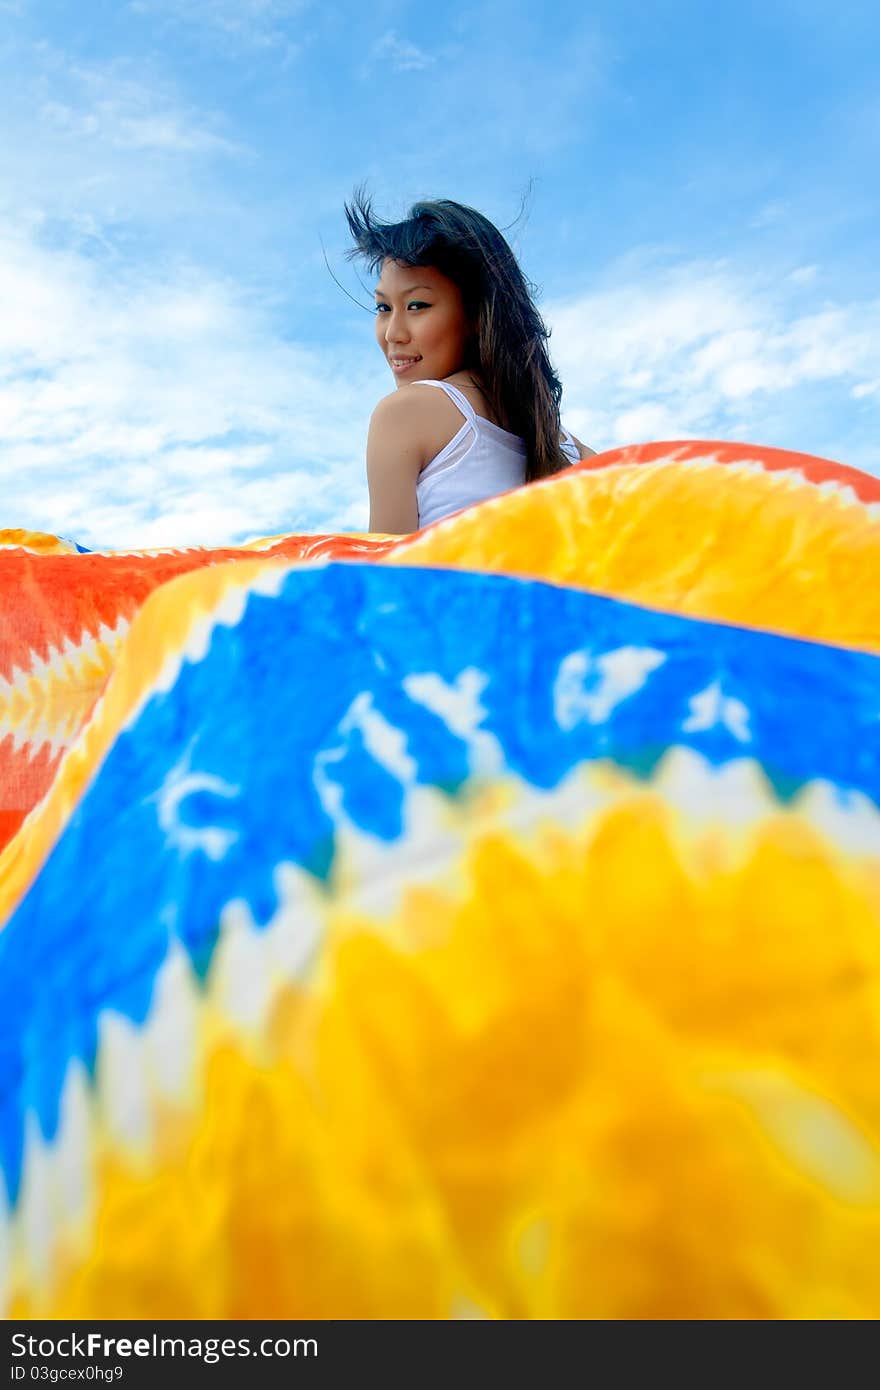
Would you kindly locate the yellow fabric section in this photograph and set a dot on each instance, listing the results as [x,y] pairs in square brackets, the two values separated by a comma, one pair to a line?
[727,542]
[39,542]
[561,1090]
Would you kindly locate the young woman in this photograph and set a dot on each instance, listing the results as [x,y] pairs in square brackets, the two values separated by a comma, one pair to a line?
[454,314]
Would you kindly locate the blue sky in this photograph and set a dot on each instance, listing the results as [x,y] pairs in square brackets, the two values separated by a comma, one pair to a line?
[176,363]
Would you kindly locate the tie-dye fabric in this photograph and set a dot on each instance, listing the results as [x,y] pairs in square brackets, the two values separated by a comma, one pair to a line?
[484,923]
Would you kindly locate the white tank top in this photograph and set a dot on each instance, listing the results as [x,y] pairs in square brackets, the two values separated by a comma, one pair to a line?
[479,461]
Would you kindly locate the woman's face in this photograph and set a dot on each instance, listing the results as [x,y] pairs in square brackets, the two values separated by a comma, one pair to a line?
[421,325]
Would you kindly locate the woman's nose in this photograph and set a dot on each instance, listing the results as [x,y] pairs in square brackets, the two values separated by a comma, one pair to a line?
[396,330]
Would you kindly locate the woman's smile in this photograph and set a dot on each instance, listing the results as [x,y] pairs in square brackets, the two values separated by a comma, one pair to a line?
[399,365]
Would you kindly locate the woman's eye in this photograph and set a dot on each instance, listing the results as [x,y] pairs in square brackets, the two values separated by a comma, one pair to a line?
[382,308]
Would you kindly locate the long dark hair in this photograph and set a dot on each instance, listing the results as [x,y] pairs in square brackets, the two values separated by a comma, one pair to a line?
[508,351]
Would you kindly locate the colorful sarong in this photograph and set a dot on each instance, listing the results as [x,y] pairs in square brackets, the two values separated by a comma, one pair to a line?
[484,923]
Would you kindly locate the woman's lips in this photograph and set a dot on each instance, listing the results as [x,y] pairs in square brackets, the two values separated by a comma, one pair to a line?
[402,364]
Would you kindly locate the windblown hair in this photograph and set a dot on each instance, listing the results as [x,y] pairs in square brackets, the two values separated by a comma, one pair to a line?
[508,352]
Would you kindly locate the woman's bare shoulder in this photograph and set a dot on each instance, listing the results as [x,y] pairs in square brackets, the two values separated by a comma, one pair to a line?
[414,402]
[413,414]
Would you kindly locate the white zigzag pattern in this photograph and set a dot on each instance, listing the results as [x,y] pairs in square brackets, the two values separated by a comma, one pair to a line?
[67,661]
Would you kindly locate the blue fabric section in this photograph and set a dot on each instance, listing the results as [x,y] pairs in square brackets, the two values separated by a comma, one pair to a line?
[302,712]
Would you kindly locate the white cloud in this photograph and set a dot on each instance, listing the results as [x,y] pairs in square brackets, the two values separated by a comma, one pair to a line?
[231,23]
[142,410]
[770,215]
[132,129]
[803,274]
[402,54]
[702,349]
[100,105]
[110,154]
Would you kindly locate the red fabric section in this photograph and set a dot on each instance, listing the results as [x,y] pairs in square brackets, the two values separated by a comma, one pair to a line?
[50,600]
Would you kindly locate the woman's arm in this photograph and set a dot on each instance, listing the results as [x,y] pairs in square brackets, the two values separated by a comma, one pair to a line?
[396,454]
